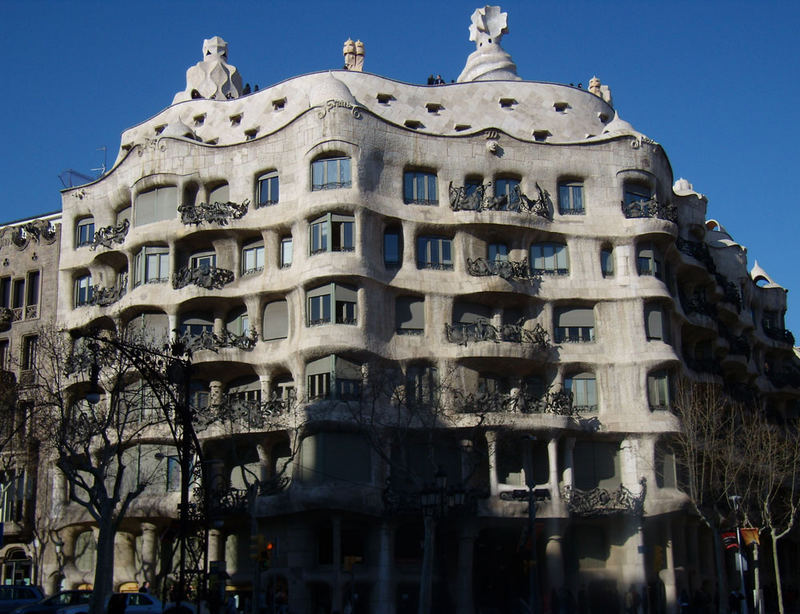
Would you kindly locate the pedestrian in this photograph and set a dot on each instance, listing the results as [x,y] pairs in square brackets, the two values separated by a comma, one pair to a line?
[145,587]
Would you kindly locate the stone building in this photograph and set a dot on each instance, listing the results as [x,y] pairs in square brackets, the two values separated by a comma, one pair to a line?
[28,289]
[494,282]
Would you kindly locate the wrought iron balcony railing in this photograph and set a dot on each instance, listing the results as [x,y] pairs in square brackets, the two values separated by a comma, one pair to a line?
[698,304]
[603,502]
[106,296]
[738,343]
[703,365]
[212,213]
[210,278]
[484,330]
[506,269]
[481,198]
[777,334]
[208,340]
[6,317]
[697,250]
[249,413]
[650,208]
[109,235]
[558,403]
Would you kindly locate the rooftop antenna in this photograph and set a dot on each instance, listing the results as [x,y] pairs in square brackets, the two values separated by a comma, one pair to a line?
[101,170]
[68,177]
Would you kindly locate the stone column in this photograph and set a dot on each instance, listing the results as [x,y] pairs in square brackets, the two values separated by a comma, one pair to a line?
[554,554]
[215,543]
[568,476]
[466,552]
[149,551]
[491,448]
[124,558]
[231,552]
[383,599]
[552,476]
[668,575]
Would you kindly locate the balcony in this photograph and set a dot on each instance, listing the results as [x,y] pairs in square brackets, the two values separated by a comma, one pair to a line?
[481,198]
[208,340]
[210,278]
[108,236]
[213,213]
[505,269]
[599,502]
[698,304]
[6,317]
[104,297]
[483,330]
[703,365]
[249,414]
[777,334]
[650,208]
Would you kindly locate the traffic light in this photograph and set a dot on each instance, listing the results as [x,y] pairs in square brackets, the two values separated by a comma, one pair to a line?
[266,555]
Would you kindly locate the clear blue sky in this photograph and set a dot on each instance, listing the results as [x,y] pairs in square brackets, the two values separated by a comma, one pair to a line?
[716,83]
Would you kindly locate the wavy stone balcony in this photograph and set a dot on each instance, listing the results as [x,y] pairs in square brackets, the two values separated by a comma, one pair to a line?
[210,278]
[480,198]
[484,330]
[213,213]
[650,208]
[599,502]
[777,334]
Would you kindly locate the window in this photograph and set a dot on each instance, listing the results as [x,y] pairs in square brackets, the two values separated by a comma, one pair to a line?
[3,354]
[30,345]
[584,391]
[549,258]
[648,260]
[276,320]
[570,198]
[155,205]
[173,474]
[286,252]
[636,193]
[84,232]
[18,294]
[498,252]
[253,258]
[409,315]
[574,325]
[434,253]
[83,290]
[238,322]
[422,384]
[327,457]
[333,376]
[268,189]
[596,465]
[656,323]
[5,292]
[151,266]
[419,188]
[508,190]
[392,248]
[666,471]
[658,390]
[330,173]
[337,299]
[332,233]
[467,315]
[197,324]
[219,194]
[607,262]
[203,260]
[32,304]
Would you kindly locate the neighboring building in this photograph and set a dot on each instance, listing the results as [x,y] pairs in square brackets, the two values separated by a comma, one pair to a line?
[28,289]
[496,243]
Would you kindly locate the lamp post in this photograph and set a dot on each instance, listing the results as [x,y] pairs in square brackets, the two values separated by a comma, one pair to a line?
[735,500]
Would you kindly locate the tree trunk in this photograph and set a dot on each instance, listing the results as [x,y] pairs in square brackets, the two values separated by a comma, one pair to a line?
[104,570]
[776,566]
[722,584]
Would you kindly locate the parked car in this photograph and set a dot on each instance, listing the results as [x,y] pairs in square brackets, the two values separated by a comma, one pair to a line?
[134,603]
[59,601]
[13,596]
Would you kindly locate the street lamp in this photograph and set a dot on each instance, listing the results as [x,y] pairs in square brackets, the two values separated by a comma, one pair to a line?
[735,501]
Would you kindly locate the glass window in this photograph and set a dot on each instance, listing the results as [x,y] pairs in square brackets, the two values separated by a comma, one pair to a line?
[345,375]
[392,248]
[33,291]
[410,315]
[152,266]
[276,320]
[30,346]
[319,309]
[330,173]
[508,188]
[219,194]
[18,293]
[83,290]
[422,384]
[607,262]
[173,474]
[84,232]
[498,252]
[268,189]
[337,300]
[203,260]
[4,356]
[636,193]
[574,325]
[648,260]
[5,292]
[238,322]
[658,390]
[196,325]
[253,258]
[286,252]
[434,253]
[656,323]
[332,233]
[583,388]
[549,258]
[570,198]
[155,205]
[419,188]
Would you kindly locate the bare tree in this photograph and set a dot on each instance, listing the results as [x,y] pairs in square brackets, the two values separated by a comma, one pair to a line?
[707,456]
[771,484]
[91,412]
